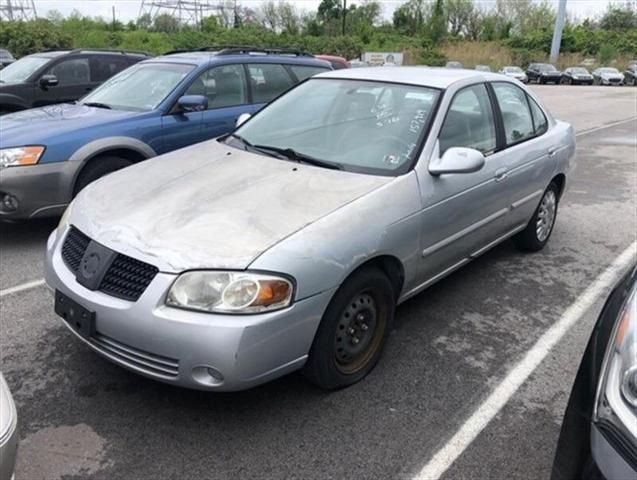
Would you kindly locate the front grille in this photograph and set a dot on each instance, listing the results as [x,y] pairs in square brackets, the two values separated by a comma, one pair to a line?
[126,278]
[74,247]
[150,363]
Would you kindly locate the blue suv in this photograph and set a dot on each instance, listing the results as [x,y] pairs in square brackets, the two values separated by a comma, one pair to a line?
[49,154]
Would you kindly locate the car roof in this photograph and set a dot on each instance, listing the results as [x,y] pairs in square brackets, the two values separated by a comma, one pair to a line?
[435,77]
[202,58]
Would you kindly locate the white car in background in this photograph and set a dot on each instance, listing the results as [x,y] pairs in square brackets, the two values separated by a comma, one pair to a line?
[608,76]
[515,72]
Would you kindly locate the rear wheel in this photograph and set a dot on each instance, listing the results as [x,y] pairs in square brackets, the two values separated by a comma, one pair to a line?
[537,233]
[353,331]
[97,168]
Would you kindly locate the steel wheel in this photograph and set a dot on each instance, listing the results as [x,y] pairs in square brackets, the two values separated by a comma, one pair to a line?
[359,333]
[546,216]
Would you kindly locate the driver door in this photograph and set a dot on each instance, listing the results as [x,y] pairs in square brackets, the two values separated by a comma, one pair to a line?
[74,81]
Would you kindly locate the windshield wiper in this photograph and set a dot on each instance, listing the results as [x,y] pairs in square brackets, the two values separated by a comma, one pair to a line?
[293,155]
[97,105]
[241,139]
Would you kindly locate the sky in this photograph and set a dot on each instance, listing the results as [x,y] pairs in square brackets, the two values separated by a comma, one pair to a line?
[126,10]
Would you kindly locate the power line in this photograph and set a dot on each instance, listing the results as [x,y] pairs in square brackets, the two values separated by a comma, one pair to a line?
[187,12]
[12,10]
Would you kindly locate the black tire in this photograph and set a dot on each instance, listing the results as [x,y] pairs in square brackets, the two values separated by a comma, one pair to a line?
[532,239]
[362,309]
[97,168]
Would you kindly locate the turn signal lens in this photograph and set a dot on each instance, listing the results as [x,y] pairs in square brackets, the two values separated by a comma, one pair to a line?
[15,157]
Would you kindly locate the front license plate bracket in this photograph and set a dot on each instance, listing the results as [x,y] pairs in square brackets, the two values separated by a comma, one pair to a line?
[78,317]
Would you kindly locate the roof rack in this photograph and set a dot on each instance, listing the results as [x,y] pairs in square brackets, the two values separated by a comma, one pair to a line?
[245,50]
[110,50]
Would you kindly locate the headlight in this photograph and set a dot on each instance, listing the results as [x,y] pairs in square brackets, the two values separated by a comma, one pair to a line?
[64,221]
[616,403]
[14,157]
[230,292]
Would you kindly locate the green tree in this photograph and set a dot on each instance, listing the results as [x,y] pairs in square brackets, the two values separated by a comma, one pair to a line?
[144,21]
[437,26]
[459,15]
[411,16]
[617,18]
[329,9]
[165,23]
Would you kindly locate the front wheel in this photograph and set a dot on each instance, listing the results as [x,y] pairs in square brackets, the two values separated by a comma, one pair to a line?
[538,231]
[353,331]
[96,169]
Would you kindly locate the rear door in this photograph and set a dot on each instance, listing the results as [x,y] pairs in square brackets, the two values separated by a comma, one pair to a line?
[74,81]
[530,154]
[266,81]
[104,67]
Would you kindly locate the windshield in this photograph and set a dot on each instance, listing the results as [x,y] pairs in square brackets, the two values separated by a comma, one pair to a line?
[609,70]
[5,55]
[483,68]
[141,87]
[581,71]
[21,69]
[361,126]
[513,70]
[546,68]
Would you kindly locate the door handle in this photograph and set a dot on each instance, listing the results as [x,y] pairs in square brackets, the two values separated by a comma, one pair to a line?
[501,174]
[552,151]
[88,89]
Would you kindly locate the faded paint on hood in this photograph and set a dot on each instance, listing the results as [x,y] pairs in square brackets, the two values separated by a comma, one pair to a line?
[211,206]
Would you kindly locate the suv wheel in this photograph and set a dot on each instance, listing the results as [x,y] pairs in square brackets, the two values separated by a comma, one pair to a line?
[97,168]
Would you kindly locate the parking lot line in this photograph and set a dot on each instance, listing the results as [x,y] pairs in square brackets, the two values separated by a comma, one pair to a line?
[602,127]
[21,287]
[482,416]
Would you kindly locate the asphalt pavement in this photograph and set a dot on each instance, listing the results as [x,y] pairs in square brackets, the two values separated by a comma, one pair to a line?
[82,417]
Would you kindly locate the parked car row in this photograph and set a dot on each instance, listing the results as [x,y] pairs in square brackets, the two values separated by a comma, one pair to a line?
[544,73]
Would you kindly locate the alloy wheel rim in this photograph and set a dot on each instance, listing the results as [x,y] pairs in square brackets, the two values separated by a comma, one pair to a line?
[358,334]
[546,216]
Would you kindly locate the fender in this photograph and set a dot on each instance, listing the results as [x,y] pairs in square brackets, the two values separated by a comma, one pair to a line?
[13,101]
[102,145]
[82,155]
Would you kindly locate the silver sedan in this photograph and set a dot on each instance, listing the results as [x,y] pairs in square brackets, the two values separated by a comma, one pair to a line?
[287,244]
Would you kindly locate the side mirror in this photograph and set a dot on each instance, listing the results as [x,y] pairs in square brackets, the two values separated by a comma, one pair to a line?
[192,103]
[243,118]
[458,160]
[47,81]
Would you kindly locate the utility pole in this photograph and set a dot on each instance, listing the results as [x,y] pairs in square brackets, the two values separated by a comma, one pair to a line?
[557,33]
[113,17]
[344,14]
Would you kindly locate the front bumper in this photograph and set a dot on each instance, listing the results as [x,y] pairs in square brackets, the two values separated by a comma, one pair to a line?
[612,81]
[9,436]
[550,78]
[41,190]
[178,347]
[609,461]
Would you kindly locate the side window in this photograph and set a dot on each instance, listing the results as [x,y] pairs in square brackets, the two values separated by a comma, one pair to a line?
[469,122]
[304,71]
[539,119]
[224,86]
[71,72]
[267,81]
[103,68]
[516,116]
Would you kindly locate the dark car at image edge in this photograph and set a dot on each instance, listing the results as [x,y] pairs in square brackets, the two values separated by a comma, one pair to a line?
[59,76]
[597,440]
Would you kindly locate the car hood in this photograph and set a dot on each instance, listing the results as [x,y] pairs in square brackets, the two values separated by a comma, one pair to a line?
[551,73]
[36,125]
[211,206]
